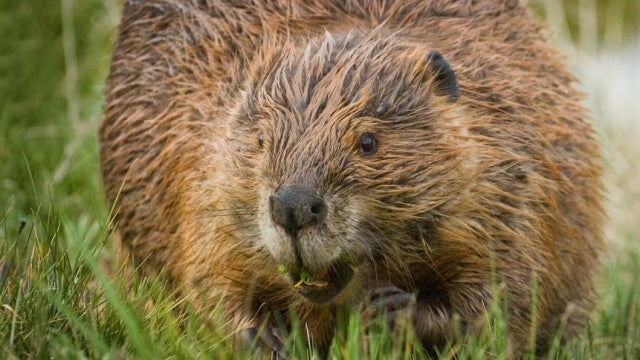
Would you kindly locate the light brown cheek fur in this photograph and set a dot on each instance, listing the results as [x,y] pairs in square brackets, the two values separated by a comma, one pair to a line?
[511,176]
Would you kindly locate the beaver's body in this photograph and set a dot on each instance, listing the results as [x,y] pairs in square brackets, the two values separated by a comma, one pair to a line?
[333,139]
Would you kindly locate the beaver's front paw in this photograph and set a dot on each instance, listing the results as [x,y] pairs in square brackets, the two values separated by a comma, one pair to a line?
[391,304]
[267,339]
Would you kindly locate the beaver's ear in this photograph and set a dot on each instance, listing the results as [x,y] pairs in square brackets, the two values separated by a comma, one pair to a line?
[444,79]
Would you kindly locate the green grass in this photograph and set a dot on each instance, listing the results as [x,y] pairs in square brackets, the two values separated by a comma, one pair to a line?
[56,301]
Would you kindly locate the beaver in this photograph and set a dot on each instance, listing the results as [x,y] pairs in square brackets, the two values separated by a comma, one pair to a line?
[300,158]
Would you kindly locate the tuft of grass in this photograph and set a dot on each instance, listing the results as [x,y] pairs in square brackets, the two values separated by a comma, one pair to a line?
[58,301]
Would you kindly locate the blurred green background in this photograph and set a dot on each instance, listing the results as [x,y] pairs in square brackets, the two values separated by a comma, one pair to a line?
[53,61]
[54,58]
[609,23]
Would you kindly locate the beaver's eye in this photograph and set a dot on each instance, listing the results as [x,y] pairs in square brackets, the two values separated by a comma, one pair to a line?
[368,144]
[261,140]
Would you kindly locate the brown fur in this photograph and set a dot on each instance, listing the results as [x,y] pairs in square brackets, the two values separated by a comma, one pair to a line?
[507,176]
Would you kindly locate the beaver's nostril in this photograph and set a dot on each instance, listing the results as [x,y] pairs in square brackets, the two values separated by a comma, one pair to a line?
[317,208]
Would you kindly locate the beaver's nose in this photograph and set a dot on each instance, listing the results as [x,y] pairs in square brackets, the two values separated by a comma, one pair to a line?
[296,207]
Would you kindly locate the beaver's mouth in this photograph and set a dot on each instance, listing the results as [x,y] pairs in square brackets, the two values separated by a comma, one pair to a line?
[324,284]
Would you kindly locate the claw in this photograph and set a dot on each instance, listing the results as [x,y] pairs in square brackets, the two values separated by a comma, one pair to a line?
[389,303]
[270,339]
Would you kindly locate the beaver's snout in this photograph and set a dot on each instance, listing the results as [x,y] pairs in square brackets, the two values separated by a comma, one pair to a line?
[296,207]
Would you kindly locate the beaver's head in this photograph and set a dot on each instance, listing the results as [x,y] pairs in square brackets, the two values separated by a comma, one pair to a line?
[341,141]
